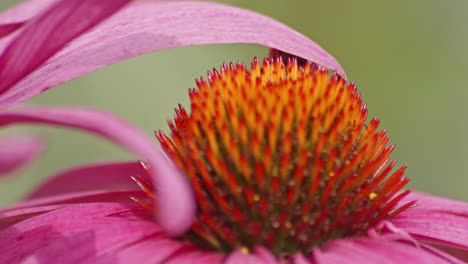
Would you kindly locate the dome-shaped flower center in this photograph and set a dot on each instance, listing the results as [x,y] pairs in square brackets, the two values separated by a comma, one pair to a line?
[281,156]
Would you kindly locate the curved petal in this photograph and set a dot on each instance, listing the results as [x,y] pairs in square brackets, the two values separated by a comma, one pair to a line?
[149,26]
[48,33]
[17,151]
[38,237]
[380,251]
[175,205]
[100,176]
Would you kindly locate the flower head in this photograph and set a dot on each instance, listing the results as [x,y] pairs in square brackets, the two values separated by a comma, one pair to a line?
[280,159]
[281,156]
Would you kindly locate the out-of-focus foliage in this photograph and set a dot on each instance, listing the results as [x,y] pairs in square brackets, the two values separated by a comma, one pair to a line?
[407,57]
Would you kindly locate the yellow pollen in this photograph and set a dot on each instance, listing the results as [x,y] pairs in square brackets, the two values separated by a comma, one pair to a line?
[256,198]
[244,250]
[373,195]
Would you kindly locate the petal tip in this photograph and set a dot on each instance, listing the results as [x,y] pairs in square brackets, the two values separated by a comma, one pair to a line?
[176,217]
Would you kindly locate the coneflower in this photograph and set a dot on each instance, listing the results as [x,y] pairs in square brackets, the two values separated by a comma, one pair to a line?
[273,163]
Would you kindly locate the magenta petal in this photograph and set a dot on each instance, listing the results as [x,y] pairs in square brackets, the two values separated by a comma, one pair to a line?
[435,219]
[371,251]
[17,151]
[101,176]
[11,217]
[149,250]
[149,26]
[265,255]
[435,227]
[436,203]
[7,29]
[70,250]
[175,205]
[37,237]
[195,256]
[21,211]
[299,258]
[456,254]
[97,196]
[49,33]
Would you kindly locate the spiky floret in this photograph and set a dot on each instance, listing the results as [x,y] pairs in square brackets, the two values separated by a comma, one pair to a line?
[281,156]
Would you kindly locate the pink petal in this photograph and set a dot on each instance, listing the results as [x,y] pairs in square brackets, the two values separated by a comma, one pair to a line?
[299,258]
[39,237]
[436,203]
[149,26]
[48,33]
[68,250]
[101,176]
[7,29]
[175,205]
[436,219]
[450,252]
[373,251]
[96,196]
[9,218]
[25,10]
[150,250]
[21,211]
[17,151]
[436,227]
[265,255]
[195,256]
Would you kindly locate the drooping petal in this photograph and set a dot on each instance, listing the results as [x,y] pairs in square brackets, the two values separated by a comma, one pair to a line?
[149,26]
[48,33]
[17,151]
[100,176]
[363,251]
[106,231]
[175,206]
[437,220]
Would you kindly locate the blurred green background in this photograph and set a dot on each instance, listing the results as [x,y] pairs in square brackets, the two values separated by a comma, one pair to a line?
[409,59]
